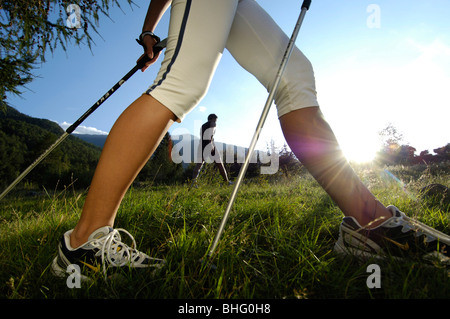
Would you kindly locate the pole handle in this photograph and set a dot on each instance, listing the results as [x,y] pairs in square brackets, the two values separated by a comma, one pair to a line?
[306,4]
[156,49]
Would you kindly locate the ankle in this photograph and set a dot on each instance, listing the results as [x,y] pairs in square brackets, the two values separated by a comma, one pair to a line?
[84,229]
[80,235]
[380,215]
[76,240]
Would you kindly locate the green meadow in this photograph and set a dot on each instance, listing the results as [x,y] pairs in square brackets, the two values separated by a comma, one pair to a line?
[277,244]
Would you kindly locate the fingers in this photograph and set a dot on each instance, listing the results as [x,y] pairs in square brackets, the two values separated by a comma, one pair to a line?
[153,58]
[149,43]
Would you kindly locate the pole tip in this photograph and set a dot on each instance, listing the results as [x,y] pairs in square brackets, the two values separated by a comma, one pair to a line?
[206,262]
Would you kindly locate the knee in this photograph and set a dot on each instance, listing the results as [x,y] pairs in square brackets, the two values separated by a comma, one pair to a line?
[297,87]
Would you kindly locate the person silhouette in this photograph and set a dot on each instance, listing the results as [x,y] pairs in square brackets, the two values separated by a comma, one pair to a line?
[207,150]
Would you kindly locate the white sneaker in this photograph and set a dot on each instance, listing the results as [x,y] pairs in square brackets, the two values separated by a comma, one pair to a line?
[104,250]
[399,236]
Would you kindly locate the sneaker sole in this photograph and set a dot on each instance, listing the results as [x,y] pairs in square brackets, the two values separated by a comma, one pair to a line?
[62,273]
[364,255]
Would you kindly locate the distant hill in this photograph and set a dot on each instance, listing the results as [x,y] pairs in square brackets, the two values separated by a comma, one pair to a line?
[185,140]
[185,148]
[95,139]
[24,138]
[12,114]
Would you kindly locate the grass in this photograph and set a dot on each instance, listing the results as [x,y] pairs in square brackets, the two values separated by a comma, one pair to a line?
[277,243]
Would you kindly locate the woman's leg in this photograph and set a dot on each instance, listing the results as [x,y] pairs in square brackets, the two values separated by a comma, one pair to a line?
[183,79]
[258,44]
[311,139]
[132,140]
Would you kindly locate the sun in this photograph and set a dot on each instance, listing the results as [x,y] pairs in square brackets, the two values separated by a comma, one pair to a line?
[359,151]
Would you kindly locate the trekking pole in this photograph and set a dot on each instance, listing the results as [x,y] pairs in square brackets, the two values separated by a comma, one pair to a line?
[139,65]
[284,61]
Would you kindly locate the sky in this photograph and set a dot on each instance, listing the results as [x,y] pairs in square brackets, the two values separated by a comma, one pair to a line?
[375,63]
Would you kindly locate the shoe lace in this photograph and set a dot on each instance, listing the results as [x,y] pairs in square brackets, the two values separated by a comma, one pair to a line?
[418,228]
[113,251]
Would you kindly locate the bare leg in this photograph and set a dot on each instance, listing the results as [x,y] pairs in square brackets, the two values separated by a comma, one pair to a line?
[132,140]
[313,142]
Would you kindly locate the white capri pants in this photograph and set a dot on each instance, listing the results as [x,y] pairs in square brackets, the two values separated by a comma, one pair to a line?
[199,31]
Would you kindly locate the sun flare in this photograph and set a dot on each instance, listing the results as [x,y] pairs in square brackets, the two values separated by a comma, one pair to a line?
[359,151]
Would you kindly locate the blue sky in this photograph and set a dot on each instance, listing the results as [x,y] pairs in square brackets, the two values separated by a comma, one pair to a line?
[375,62]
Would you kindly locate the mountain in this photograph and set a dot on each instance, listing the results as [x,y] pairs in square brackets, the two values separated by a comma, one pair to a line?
[95,139]
[12,114]
[185,144]
[184,151]
[23,139]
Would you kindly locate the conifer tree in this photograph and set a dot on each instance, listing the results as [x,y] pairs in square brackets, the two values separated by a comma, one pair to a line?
[31,28]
